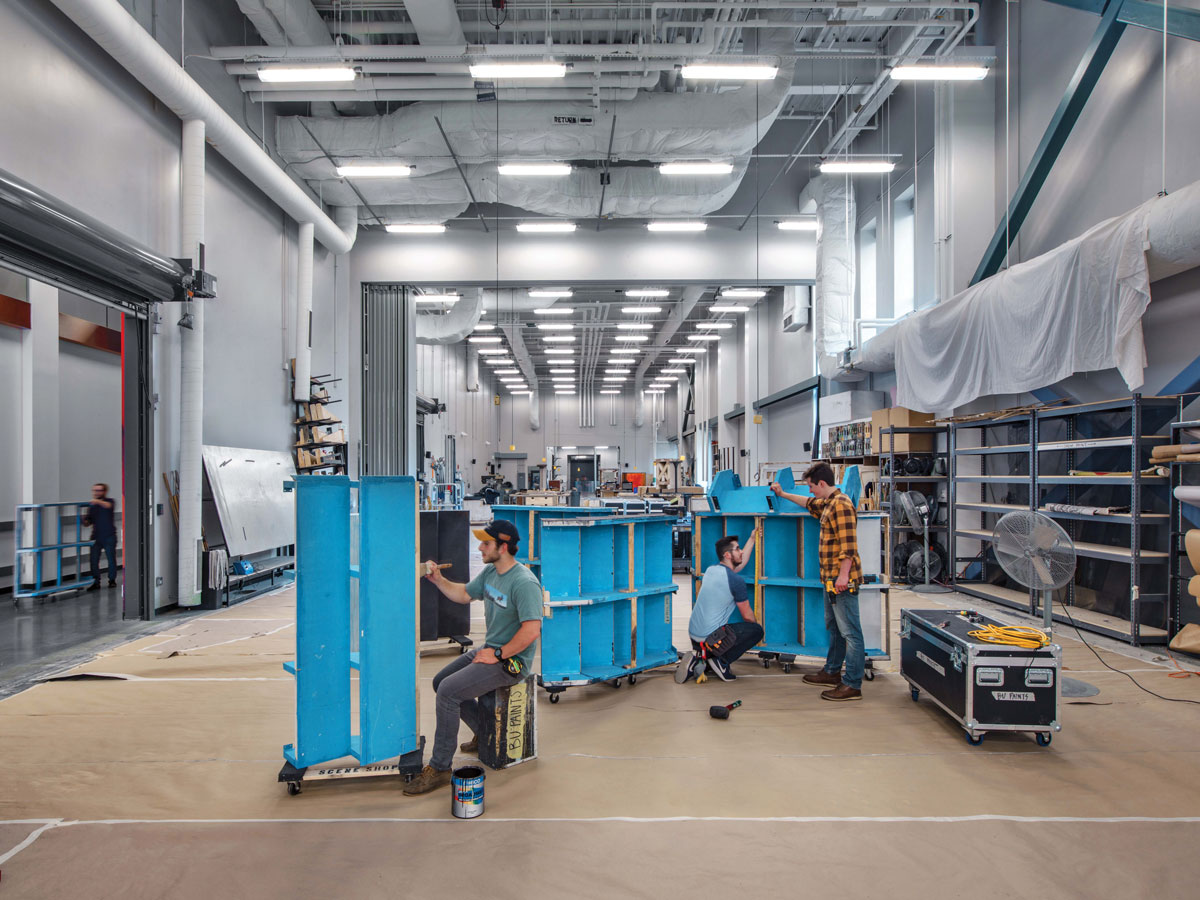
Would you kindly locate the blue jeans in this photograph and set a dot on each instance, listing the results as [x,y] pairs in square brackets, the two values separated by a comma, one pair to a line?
[845,637]
[106,545]
[458,686]
[748,634]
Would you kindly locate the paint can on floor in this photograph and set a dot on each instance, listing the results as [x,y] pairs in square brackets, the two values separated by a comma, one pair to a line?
[466,791]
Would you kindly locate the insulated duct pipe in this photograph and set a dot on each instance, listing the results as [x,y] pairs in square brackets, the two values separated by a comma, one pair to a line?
[1173,233]
[191,382]
[109,25]
[691,296]
[472,372]
[512,331]
[455,325]
[302,351]
[435,21]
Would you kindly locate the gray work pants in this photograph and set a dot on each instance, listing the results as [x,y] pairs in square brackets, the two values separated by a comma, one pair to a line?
[457,687]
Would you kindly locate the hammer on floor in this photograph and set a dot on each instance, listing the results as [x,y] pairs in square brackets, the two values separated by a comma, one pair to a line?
[722,712]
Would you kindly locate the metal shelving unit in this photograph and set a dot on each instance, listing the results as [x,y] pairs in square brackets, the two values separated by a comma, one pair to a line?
[1089,459]
[898,534]
[1179,570]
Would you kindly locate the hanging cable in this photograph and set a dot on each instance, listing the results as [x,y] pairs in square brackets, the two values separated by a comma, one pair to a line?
[1163,190]
[1007,134]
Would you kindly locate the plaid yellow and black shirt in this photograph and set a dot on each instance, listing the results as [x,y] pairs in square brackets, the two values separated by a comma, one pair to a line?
[839,536]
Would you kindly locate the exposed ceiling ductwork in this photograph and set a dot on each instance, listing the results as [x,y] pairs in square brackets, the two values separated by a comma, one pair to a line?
[455,325]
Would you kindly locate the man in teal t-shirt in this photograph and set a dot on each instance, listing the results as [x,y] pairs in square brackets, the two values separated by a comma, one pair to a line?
[512,608]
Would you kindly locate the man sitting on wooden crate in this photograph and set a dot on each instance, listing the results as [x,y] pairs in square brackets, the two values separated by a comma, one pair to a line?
[512,606]
[717,642]
[841,573]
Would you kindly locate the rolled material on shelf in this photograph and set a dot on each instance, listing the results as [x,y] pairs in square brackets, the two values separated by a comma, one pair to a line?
[1194,587]
[1171,450]
[1191,541]
[1188,457]
[1188,493]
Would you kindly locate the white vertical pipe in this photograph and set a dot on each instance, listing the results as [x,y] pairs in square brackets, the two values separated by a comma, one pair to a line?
[301,389]
[191,405]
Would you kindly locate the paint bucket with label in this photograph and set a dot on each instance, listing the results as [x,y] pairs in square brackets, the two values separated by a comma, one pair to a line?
[466,790]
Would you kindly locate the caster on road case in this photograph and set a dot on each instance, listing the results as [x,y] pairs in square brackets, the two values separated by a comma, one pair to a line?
[554,697]
[973,740]
[1043,738]
[632,680]
[616,683]
[293,788]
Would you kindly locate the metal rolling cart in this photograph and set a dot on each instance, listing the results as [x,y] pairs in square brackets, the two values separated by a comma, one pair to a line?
[608,598]
[529,521]
[28,556]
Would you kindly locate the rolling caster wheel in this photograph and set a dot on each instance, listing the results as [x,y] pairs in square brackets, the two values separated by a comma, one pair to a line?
[787,668]
[632,680]
[973,740]
[1043,738]
[766,663]
[617,684]
[915,694]
[869,674]
[293,788]
[554,697]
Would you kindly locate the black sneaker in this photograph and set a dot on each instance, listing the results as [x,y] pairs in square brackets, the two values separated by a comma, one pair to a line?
[94,587]
[720,668]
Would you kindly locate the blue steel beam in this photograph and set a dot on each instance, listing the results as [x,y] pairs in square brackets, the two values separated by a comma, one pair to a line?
[1087,74]
[1181,22]
[1186,382]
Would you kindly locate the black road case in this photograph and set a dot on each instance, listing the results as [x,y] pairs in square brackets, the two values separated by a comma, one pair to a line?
[985,687]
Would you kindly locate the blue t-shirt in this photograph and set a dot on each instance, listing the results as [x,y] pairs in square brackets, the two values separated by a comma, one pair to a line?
[720,591]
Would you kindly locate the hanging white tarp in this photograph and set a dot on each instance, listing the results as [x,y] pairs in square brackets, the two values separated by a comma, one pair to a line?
[834,294]
[1075,309]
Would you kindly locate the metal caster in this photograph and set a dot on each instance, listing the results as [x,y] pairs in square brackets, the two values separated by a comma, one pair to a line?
[787,668]
[869,674]
[1043,738]
[766,663]
[616,683]
[973,740]
[915,694]
[554,697]
[632,680]
[293,788]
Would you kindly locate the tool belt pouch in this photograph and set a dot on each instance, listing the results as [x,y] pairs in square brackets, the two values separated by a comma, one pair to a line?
[720,641]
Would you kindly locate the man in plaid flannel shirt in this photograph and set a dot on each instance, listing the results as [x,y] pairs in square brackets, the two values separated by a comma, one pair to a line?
[841,573]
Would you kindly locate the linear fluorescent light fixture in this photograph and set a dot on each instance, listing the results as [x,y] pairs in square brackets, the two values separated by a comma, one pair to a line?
[631,337]
[797,225]
[715,326]
[550,293]
[600,447]
[641,310]
[560,351]
[617,371]
[695,168]
[679,225]
[691,350]
[733,72]
[675,370]
[753,293]
[546,227]
[572,392]
[568,447]
[484,326]
[703,337]
[534,169]
[686,361]
[508,371]
[621,361]
[491,351]
[729,307]
[608,391]
[437,298]
[382,170]
[634,326]
[667,378]
[654,391]
[562,371]
[494,70]
[554,311]
[857,166]
[555,326]
[939,73]
[485,339]
[558,339]
[276,74]
[499,361]
[644,292]
[614,378]
[415,229]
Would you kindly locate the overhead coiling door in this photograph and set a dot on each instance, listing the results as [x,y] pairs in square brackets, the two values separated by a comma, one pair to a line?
[386,396]
[49,241]
[44,238]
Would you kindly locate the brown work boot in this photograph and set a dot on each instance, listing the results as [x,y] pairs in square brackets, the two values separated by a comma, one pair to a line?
[842,692]
[471,746]
[429,779]
[828,679]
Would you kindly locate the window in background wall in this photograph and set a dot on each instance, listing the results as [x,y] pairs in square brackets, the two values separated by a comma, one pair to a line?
[867,240]
[903,255]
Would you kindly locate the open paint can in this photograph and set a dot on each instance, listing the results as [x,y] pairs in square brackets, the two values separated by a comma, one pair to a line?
[466,789]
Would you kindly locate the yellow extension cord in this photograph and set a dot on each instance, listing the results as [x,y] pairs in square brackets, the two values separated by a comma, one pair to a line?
[1017,635]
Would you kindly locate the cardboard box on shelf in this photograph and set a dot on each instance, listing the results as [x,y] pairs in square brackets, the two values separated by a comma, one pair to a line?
[909,418]
[881,418]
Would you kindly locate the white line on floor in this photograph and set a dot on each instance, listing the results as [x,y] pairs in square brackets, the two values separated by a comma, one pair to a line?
[235,640]
[52,823]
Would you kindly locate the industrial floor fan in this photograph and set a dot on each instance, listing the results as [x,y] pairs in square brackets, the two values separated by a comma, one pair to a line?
[1035,552]
[916,510]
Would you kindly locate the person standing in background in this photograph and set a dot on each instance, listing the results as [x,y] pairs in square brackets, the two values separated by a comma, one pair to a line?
[104,533]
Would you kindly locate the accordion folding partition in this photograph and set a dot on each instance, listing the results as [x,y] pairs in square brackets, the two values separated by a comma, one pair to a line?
[379,515]
[529,519]
[608,599]
[788,597]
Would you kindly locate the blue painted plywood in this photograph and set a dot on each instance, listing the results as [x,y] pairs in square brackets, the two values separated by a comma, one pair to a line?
[388,618]
[322,662]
